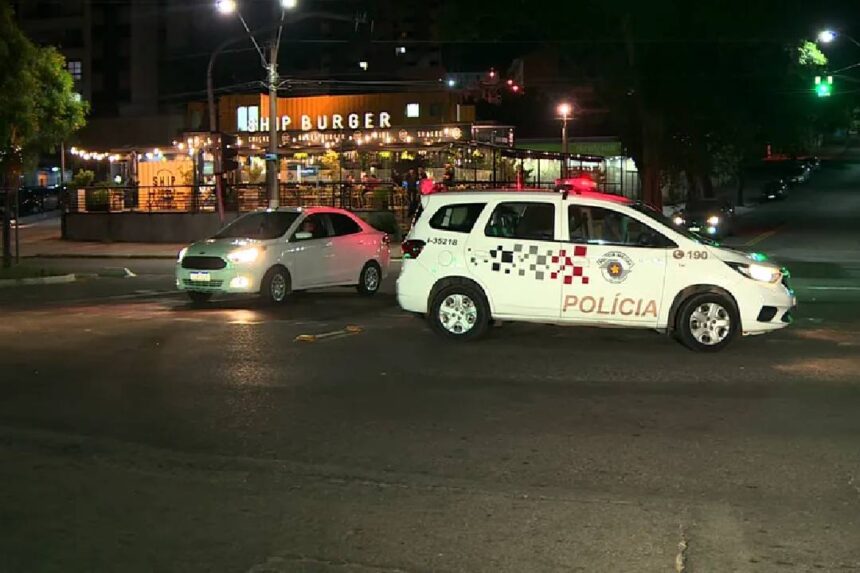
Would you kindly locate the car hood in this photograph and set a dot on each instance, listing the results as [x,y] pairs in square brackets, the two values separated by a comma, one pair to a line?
[219,247]
[735,256]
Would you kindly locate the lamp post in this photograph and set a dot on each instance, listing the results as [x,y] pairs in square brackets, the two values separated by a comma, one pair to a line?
[227,7]
[564,112]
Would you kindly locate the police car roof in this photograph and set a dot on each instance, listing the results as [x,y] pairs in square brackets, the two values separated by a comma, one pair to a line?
[594,195]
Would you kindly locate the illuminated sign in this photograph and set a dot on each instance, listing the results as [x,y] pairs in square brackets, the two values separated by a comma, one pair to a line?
[248,119]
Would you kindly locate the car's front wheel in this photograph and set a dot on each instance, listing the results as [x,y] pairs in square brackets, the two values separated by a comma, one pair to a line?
[370,279]
[199,297]
[459,312]
[276,285]
[708,322]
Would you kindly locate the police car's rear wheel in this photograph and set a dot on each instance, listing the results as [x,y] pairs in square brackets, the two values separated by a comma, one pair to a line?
[708,322]
[459,312]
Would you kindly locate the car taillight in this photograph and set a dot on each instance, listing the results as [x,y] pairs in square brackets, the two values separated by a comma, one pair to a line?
[386,239]
[411,249]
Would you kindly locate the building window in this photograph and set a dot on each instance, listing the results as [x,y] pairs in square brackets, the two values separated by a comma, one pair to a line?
[413,110]
[247,118]
[76,69]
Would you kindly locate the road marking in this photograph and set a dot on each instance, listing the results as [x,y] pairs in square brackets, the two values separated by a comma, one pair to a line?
[828,288]
[762,237]
[348,331]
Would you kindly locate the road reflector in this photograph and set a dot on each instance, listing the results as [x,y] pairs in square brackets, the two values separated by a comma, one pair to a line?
[347,331]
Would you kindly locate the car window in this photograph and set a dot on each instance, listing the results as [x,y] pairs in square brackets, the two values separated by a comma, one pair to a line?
[458,218]
[261,226]
[343,225]
[522,220]
[602,226]
[316,225]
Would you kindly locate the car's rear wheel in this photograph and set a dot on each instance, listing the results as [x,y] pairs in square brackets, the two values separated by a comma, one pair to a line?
[459,312]
[708,322]
[370,279]
[199,297]
[276,285]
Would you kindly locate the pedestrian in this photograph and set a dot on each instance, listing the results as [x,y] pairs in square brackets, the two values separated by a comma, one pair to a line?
[448,177]
[412,197]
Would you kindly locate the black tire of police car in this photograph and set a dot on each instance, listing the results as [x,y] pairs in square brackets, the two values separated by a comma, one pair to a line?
[683,330]
[463,287]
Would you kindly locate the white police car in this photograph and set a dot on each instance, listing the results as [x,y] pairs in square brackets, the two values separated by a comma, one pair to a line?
[275,251]
[581,258]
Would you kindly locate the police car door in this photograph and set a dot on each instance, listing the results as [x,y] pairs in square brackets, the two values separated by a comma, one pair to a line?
[615,267]
[512,257]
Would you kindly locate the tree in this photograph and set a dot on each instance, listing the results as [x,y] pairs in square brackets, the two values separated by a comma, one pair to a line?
[38,106]
[684,83]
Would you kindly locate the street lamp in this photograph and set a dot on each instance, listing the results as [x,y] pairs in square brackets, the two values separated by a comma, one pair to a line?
[225,6]
[564,111]
[272,79]
[827,36]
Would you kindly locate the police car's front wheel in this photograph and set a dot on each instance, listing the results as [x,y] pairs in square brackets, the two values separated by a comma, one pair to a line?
[459,312]
[708,322]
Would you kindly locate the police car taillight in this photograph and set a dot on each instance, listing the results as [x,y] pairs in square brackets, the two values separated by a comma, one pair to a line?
[412,248]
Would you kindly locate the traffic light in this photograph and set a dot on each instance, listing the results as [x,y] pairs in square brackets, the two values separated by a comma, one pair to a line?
[823,86]
[229,153]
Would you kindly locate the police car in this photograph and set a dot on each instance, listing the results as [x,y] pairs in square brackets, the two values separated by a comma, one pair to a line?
[275,251]
[581,258]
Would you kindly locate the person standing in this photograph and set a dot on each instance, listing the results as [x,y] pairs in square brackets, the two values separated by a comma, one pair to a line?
[412,197]
[448,177]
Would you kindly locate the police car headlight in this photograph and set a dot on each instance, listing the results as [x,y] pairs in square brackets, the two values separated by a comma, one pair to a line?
[713,220]
[755,271]
[181,255]
[248,255]
[678,220]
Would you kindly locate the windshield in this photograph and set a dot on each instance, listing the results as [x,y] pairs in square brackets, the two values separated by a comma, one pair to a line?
[701,206]
[260,226]
[656,215]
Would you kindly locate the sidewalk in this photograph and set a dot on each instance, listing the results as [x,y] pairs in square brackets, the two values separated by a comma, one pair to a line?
[43,240]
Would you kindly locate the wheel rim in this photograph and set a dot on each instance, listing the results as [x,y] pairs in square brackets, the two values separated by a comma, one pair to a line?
[371,278]
[710,323]
[458,314]
[279,287]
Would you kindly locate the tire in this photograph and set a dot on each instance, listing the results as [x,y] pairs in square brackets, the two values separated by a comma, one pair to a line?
[199,297]
[276,285]
[707,322]
[370,279]
[459,311]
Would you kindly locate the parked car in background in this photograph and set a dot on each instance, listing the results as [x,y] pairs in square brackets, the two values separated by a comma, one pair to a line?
[276,251]
[711,218]
[773,190]
[798,173]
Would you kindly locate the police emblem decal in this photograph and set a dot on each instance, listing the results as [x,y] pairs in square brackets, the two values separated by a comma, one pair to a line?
[615,266]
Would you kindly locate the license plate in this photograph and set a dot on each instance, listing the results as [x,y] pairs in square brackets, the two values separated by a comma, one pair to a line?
[694,229]
[199,277]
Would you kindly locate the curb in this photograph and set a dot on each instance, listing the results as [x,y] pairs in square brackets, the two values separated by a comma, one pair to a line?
[98,256]
[52,280]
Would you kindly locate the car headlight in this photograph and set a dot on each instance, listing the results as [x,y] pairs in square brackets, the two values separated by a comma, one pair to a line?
[248,255]
[678,220]
[714,220]
[755,271]
[181,255]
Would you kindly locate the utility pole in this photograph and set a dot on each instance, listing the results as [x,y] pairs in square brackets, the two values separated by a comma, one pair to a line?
[272,160]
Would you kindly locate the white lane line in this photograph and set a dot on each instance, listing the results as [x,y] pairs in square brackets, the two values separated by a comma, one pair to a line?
[828,287]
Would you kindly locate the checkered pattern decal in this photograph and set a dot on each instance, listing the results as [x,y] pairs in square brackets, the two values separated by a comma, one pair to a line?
[536,263]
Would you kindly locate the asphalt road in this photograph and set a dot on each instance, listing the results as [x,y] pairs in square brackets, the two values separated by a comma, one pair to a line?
[138,433]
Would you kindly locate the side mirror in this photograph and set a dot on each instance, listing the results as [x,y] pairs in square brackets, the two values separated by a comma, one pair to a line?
[303,236]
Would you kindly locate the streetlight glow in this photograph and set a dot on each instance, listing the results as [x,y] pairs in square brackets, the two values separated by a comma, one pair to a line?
[564,110]
[826,36]
[225,6]
[289,4]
